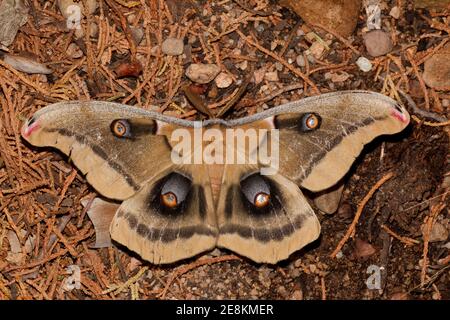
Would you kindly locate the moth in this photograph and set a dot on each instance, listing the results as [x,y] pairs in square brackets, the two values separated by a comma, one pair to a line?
[172,210]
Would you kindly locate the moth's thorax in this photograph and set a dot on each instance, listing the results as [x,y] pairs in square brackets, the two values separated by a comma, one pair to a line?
[215,172]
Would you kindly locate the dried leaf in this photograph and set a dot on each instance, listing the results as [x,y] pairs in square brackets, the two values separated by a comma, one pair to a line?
[26,64]
[13,15]
[101,214]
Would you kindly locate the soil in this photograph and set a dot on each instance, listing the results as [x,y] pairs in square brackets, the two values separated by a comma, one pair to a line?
[40,190]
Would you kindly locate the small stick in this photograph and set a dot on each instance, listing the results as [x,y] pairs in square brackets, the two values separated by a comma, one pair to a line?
[66,243]
[431,124]
[339,37]
[416,109]
[426,239]
[405,240]
[322,285]
[119,288]
[67,183]
[361,206]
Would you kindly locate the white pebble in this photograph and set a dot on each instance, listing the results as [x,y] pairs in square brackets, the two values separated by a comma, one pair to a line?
[364,64]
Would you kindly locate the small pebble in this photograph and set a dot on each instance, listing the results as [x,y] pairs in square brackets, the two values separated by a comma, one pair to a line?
[438,232]
[377,43]
[317,49]
[74,51]
[437,69]
[300,60]
[273,45]
[339,255]
[223,80]
[297,295]
[400,296]
[137,34]
[363,249]
[131,18]
[258,75]
[278,66]
[243,65]
[271,76]
[93,30]
[364,64]
[172,46]
[436,296]
[69,8]
[202,73]
[395,12]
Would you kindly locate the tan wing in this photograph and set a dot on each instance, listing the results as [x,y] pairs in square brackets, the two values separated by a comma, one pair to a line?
[115,166]
[317,159]
[264,234]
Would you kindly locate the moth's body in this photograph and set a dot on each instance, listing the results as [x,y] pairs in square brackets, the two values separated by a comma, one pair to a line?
[173,210]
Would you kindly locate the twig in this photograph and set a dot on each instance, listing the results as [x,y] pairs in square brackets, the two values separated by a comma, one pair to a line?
[359,211]
[431,124]
[429,221]
[322,286]
[339,37]
[66,186]
[405,240]
[119,288]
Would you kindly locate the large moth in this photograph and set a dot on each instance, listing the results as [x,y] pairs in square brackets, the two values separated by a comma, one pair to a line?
[173,210]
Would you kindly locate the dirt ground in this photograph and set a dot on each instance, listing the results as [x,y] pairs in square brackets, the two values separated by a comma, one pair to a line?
[41,192]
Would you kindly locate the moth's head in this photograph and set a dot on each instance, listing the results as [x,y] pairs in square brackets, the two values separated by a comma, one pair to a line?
[31,128]
[399,113]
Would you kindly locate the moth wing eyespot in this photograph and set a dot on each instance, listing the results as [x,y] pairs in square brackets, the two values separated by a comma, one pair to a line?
[169,199]
[175,190]
[310,121]
[121,128]
[261,200]
[256,190]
